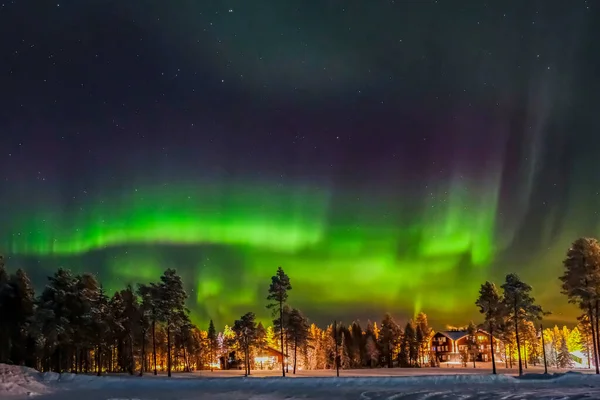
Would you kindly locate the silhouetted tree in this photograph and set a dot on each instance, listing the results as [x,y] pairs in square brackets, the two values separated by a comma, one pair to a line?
[278,295]
[519,306]
[389,337]
[171,301]
[581,284]
[490,305]
[245,330]
[212,342]
[298,332]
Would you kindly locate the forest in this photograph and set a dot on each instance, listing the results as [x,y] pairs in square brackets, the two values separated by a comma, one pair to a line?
[74,325]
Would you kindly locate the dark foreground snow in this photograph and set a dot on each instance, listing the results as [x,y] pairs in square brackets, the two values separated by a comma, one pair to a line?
[19,383]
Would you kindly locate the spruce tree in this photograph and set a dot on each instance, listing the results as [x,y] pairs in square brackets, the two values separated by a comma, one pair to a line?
[564,359]
[212,342]
[278,295]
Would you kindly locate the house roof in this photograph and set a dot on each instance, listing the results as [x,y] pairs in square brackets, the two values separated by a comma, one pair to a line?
[458,334]
[454,335]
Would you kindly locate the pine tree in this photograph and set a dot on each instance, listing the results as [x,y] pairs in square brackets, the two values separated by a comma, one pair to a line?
[20,309]
[389,336]
[150,295]
[298,332]
[490,305]
[519,306]
[581,283]
[410,343]
[278,295]
[146,318]
[5,298]
[172,297]
[100,326]
[212,342]
[245,330]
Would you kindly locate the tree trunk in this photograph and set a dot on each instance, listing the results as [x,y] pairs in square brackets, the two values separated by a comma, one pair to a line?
[287,365]
[154,344]
[597,332]
[131,357]
[295,353]
[168,350]
[143,357]
[525,354]
[212,357]
[518,341]
[544,349]
[281,328]
[492,350]
[594,338]
[99,361]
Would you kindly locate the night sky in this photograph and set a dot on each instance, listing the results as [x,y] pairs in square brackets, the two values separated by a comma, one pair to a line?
[389,155]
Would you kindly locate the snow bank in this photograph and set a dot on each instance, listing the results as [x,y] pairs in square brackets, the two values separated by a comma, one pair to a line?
[17,381]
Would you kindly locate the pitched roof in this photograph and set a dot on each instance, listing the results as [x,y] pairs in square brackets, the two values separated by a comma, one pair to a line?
[454,335]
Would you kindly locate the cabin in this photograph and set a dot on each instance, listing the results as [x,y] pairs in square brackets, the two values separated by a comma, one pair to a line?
[447,346]
[269,358]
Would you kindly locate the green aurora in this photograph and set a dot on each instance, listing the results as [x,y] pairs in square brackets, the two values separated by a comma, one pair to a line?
[229,239]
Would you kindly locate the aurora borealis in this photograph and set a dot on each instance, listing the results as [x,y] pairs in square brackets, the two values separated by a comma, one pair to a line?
[390,156]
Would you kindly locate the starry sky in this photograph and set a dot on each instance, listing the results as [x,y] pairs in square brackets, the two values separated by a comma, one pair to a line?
[389,155]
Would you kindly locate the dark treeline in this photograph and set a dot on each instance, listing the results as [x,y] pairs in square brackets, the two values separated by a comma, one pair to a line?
[73,325]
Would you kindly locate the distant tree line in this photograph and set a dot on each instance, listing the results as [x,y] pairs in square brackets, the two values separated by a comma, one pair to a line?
[74,325]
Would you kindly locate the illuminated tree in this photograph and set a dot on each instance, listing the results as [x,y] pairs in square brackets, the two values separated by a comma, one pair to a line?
[519,306]
[490,305]
[271,338]
[278,295]
[581,283]
[573,339]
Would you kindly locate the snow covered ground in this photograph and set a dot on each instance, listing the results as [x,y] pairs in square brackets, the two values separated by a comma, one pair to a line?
[19,383]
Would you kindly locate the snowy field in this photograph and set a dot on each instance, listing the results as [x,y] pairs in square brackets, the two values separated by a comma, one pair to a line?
[442,383]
